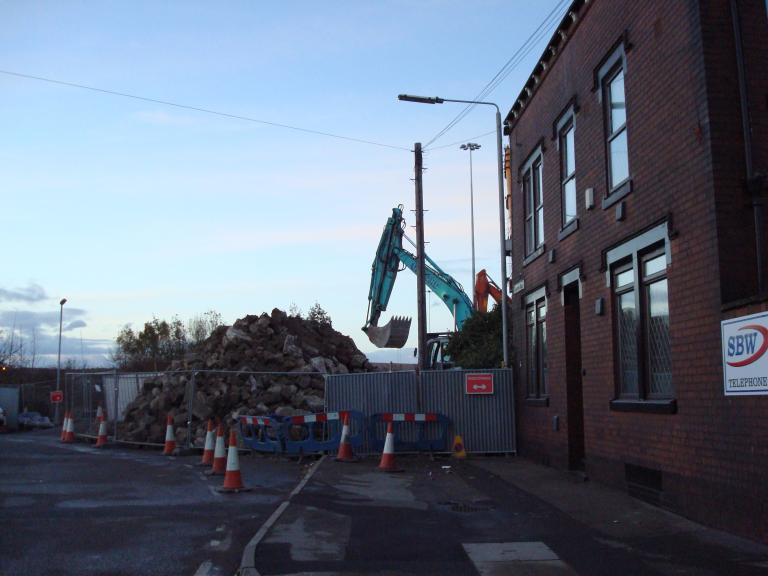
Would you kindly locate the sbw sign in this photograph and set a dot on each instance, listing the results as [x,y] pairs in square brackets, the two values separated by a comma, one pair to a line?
[745,354]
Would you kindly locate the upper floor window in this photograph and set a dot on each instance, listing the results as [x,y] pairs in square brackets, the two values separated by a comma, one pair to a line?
[533,196]
[616,128]
[568,172]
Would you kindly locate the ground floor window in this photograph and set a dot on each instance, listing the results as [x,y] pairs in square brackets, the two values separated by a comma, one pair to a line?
[643,361]
[536,344]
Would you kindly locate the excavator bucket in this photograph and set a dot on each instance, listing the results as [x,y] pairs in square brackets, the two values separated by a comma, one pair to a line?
[392,335]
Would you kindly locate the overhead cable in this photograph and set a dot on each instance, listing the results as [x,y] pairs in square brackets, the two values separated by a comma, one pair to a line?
[203,110]
[542,31]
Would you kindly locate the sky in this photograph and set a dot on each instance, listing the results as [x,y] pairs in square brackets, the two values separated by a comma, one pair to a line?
[132,209]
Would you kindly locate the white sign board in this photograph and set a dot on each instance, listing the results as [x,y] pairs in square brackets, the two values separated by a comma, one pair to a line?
[745,354]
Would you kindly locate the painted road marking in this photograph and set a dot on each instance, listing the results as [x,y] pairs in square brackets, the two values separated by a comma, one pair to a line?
[496,558]
[204,569]
[249,553]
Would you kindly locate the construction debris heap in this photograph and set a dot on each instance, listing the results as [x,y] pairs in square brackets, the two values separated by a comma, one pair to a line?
[302,349]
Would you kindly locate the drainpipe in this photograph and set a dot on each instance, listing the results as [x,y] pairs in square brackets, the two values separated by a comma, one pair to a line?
[754,181]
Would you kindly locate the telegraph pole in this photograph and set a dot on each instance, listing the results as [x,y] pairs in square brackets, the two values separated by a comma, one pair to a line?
[420,285]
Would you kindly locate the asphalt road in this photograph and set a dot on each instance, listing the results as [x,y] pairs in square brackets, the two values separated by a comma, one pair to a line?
[75,510]
[70,509]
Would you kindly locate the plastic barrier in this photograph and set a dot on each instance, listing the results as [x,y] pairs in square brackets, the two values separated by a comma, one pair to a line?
[315,433]
[414,432]
[262,433]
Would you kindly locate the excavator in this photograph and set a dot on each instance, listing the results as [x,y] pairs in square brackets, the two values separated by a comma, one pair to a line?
[390,256]
[485,287]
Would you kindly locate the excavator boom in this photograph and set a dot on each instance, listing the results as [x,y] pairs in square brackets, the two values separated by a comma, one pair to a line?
[389,255]
[485,287]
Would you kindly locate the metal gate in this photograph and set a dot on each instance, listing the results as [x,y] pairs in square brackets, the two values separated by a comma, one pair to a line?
[486,422]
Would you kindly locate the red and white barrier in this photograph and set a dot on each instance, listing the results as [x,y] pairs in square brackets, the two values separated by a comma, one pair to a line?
[409,417]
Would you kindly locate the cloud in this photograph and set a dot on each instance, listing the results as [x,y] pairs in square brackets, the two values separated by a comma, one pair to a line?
[27,320]
[32,293]
[75,324]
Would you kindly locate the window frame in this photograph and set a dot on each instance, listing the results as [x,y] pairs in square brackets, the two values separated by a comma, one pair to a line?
[633,255]
[566,177]
[605,71]
[610,133]
[537,368]
[533,201]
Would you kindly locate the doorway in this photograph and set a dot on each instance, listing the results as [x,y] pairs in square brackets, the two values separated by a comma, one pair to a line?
[573,376]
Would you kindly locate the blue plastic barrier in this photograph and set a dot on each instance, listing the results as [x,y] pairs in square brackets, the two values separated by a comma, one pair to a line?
[262,433]
[414,432]
[316,433]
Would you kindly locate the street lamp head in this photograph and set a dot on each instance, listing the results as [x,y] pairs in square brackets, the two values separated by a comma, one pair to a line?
[419,99]
[470,146]
[63,301]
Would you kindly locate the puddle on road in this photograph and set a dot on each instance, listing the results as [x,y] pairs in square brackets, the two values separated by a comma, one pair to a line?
[312,534]
[379,489]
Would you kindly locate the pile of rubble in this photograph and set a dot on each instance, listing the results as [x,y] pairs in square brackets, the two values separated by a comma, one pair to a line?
[217,381]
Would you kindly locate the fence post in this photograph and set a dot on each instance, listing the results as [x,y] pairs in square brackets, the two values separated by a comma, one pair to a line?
[116,394]
[190,401]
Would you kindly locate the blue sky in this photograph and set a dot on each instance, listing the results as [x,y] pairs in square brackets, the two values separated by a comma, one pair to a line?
[132,209]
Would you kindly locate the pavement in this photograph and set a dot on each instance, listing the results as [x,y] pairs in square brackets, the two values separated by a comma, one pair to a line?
[73,509]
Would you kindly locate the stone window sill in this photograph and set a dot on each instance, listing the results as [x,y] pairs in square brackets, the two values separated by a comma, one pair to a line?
[533,255]
[569,229]
[647,406]
[542,401]
[618,194]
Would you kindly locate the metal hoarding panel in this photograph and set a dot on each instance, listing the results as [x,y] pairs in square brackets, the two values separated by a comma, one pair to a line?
[485,422]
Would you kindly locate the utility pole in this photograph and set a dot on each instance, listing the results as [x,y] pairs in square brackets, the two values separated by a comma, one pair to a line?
[420,285]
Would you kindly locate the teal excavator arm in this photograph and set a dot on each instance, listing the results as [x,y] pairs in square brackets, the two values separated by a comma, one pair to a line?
[389,255]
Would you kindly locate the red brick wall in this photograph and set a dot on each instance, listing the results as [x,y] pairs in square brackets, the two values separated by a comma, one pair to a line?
[686,160]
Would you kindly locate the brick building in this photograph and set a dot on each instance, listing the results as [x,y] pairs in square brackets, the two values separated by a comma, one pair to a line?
[635,163]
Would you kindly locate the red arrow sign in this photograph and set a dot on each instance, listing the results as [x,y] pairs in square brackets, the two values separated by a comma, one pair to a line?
[478,383]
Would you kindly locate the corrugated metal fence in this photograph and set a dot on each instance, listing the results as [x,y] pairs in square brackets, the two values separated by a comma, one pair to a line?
[486,422]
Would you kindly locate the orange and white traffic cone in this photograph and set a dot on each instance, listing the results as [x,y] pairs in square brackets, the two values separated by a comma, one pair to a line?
[208,448]
[345,448]
[387,463]
[64,426]
[170,437]
[219,454]
[69,434]
[101,439]
[233,481]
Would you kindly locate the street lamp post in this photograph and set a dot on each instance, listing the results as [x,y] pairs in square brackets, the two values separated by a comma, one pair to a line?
[58,360]
[471,146]
[502,226]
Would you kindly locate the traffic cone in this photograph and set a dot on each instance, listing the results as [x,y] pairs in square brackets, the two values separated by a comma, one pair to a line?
[69,435]
[208,448]
[458,448]
[387,463]
[345,448]
[99,412]
[170,437]
[233,481]
[64,426]
[101,439]
[219,454]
